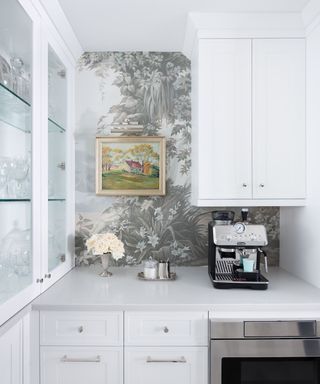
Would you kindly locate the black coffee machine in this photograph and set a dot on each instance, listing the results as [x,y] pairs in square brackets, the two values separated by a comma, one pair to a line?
[235,252]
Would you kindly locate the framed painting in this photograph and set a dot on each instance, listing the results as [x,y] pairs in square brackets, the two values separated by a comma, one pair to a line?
[130,165]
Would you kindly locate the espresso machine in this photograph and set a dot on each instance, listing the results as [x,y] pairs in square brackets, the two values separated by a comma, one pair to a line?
[231,246]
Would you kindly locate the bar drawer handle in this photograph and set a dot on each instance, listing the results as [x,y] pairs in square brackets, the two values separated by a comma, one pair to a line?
[181,360]
[66,359]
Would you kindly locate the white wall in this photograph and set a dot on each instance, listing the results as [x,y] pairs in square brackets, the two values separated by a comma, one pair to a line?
[299,233]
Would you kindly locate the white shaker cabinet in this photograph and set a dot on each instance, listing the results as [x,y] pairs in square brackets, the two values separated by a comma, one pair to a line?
[81,347]
[166,347]
[81,365]
[170,365]
[11,355]
[248,102]
[279,119]
[221,120]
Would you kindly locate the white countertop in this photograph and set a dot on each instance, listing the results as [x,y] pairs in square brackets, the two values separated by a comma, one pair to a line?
[83,289]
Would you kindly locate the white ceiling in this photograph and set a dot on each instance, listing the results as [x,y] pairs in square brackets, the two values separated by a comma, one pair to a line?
[151,25]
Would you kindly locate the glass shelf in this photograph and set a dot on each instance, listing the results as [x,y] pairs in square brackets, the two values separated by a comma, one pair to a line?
[55,127]
[14,110]
[6,200]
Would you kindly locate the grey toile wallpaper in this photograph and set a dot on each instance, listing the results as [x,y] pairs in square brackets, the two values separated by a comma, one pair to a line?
[154,90]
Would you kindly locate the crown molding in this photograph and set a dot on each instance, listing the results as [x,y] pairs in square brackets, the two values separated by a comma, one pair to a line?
[56,22]
[241,25]
[311,15]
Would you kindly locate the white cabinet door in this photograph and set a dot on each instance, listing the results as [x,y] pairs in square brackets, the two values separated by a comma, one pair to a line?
[279,118]
[11,355]
[94,365]
[169,365]
[223,120]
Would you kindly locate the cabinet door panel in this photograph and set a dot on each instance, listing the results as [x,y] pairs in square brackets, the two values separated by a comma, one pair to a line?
[81,365]
[11,356]
[224,123]
[170,365]
[279,118]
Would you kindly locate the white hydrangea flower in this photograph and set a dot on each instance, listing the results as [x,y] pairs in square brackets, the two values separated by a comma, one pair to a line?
[104,243]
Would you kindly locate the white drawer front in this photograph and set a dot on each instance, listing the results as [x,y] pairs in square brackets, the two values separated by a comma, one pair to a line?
[169,365]
[81,365]
[166,328]
[81,328]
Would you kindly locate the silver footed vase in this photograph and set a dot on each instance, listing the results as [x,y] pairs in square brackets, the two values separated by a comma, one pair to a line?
[105,260]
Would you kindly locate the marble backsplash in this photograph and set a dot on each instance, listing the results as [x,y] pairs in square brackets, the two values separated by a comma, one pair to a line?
[154,89]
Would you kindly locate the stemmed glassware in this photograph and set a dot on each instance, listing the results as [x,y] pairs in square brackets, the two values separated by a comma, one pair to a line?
[15,180]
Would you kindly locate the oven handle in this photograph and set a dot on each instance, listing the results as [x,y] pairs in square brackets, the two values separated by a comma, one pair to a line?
[253,348]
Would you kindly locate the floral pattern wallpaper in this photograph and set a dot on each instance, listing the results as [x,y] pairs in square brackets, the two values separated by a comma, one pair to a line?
[153,89]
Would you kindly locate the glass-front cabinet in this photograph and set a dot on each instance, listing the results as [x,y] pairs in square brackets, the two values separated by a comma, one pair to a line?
[36,233]
[57,127]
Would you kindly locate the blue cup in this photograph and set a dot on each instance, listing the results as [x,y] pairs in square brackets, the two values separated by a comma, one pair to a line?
[248,265]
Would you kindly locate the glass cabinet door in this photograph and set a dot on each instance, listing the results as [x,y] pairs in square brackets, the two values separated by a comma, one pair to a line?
[57,150]
[16,137]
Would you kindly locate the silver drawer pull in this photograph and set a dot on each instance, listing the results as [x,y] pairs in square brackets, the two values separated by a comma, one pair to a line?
[66,359]
[80,329]
[181,360]
[166,330]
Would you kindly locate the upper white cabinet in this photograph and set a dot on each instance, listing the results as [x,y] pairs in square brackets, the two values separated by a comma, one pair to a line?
[248,122]
[222,121]
[279,119]
[36,223]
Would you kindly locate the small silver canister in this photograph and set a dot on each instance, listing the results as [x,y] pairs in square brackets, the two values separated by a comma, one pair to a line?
[164,269]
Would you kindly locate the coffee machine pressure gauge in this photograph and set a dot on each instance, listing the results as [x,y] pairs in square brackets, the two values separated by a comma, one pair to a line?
[239,227]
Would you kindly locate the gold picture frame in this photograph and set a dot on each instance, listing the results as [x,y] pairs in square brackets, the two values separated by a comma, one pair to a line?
[130,165]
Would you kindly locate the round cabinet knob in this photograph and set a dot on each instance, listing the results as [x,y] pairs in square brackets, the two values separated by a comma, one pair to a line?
[39,280]
[80,329]
[165,329]
[48,275]
[261,185]
[244,185]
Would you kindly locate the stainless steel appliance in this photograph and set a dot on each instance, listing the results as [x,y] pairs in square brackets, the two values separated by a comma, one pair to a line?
[265,352]
[228,246]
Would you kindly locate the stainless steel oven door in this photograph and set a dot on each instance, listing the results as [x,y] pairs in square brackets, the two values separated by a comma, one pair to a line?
[298,350]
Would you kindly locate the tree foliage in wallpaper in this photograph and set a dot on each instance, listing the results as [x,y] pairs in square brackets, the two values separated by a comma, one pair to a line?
[155,91]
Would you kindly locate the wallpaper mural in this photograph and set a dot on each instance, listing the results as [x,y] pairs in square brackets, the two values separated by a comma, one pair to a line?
[153,90]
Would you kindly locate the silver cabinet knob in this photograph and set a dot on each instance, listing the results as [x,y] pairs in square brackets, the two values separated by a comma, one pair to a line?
[39,281]
[47,276]
[165,329]
[244,185]
[80,329]
[261,185]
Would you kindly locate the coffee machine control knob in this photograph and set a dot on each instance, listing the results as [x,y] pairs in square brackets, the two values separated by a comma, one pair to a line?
[229,237]
[253,237]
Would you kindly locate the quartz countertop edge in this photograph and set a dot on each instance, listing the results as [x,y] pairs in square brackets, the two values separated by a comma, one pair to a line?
[82,289]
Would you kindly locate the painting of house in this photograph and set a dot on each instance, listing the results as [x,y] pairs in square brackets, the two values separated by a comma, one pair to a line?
[130,165]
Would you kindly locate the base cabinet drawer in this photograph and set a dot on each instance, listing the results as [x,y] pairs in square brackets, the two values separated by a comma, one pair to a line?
[87,365]
[169,365]
[81,328]
[166,328]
